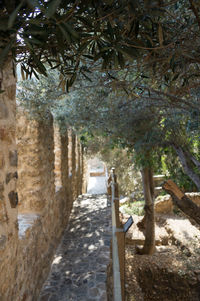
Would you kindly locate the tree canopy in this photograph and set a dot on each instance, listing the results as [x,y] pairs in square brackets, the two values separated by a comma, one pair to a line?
[158,38]
[143,124]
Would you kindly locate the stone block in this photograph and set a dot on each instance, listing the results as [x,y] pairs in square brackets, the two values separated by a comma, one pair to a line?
[10,176]
[3,134]
[7,134]
[13,158]
[1,190]
[2,162]
[164,204]
[3,241]
[13,198]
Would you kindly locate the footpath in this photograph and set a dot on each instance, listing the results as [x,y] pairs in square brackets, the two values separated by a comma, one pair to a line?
[78,271]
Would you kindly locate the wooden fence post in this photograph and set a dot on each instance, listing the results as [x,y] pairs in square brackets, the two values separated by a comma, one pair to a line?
[120,236]
[118,240]
[116,198]
[121,253]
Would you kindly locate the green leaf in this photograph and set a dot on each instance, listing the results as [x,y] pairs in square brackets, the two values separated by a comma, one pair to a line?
[104,49]
[34,3]
[110,30]
[36,75]
[35,41]
[83,46]
[35,29]
[86,21]
[128,51]
[67,86]
[74,34]
[41,68]
[14,15]
[56,66]
[90,57]
[22,73]
[93,48]
[137,27]
[116,62]
[51,9]
[175,76]
[172,63]
[72,79]
[109,2]
[65,33]
[121,60]
[105,64]
[87,77]
[28,43]
[97,56]
[36,20]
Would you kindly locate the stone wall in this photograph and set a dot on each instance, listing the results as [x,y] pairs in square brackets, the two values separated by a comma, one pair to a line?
[73,159]
[8,153]
[8,175]
[80,171]
[28,239]
[36,163]
[84,168]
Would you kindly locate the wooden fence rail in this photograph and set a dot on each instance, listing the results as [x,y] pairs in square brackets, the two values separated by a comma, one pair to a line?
[118,239]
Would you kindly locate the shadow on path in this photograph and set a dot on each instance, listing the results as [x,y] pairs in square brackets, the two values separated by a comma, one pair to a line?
[78,271]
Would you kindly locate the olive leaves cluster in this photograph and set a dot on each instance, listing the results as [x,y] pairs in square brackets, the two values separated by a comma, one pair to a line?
[159,38]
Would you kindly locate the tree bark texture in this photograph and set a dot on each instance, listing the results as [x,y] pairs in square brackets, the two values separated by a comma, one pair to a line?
[184,203]
[149,227]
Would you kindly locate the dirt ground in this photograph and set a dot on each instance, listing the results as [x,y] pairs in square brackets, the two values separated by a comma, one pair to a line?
[173,272]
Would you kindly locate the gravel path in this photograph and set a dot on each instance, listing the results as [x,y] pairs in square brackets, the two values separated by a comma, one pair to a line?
[78,270]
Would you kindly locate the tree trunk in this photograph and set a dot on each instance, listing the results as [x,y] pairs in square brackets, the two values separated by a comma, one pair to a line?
[148,221]
[184,159]
[182,201]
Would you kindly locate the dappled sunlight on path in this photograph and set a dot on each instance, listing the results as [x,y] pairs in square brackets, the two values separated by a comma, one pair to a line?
[79,267]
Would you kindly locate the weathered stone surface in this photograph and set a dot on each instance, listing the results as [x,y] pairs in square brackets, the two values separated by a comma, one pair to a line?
[7,134]
[1,190]
[10,176]
[163,204]
[3,240]
[13,198]
[13,158]
[2,161]
[25,255]
[8,215]
[36,163]
[3,111]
